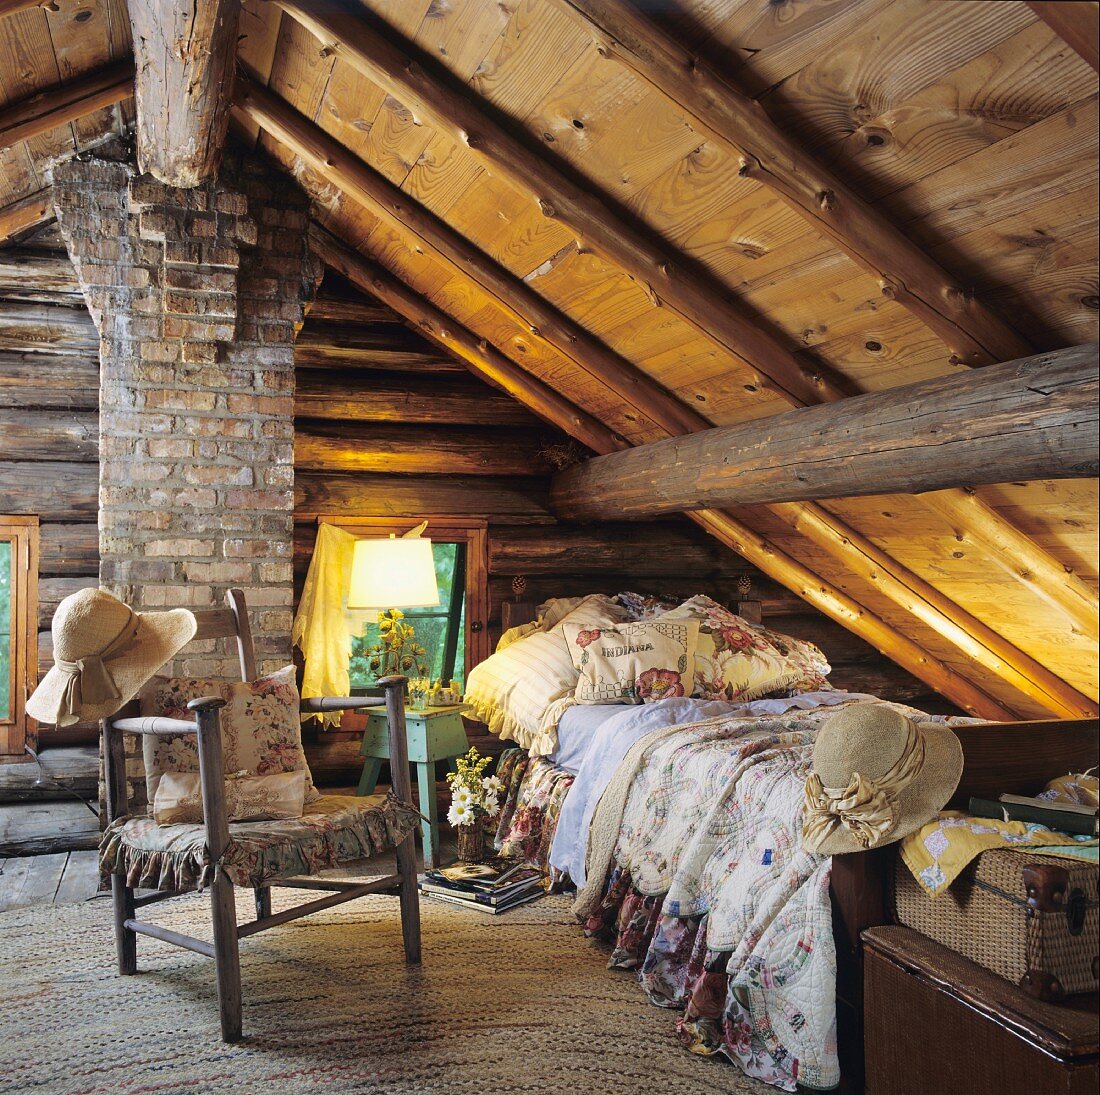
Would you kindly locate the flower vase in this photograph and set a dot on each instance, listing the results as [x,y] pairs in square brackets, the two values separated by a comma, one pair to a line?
[471,842]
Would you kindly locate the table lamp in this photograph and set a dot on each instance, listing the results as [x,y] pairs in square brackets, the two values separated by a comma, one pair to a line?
[390,575]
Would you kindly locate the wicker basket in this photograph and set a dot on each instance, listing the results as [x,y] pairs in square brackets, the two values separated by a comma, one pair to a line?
[1034,920]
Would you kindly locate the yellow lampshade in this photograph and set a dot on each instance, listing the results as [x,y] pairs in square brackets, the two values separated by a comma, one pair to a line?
[393,573]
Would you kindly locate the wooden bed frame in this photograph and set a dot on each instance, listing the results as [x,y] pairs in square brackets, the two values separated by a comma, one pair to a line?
[999,758]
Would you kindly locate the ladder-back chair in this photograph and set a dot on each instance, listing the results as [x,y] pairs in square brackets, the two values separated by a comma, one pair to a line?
[232,622]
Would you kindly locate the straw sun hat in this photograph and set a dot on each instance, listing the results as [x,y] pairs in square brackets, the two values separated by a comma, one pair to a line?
[877,777]
[103,653]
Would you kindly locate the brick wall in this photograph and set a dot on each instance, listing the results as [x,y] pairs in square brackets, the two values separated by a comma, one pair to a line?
[196,295]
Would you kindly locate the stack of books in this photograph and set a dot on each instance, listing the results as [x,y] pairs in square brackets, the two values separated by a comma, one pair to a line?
[493,887]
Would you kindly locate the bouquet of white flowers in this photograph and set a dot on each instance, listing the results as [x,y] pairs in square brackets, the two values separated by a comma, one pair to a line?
[473,795]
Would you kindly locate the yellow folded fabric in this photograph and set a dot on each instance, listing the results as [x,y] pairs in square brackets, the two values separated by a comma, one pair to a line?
[938,852]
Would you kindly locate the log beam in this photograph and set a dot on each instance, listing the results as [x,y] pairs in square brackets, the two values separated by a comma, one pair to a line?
[972,332]
[26,214]
[1035,418]
[186,57]
[11,7]
[57,105]
[1077,24]
[434,95]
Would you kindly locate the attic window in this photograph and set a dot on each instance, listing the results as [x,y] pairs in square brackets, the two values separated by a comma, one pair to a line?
[18,631]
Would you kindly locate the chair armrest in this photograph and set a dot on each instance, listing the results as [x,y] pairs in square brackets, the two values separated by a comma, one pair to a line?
[316,704]
[155,725]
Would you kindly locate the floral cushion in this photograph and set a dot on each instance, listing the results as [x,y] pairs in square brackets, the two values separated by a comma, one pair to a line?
[738,660]
[633,662]
[335,829]
[261,727]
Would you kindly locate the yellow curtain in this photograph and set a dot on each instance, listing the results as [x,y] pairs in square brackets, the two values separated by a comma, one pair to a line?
[323,627]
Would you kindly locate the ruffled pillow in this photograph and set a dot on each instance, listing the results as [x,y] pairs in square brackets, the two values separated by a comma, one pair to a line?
[522,690]
[261,726]
[634,662]
[740,661]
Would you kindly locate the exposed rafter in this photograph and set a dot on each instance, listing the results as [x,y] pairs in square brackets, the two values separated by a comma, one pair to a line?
[1077,24]
[449,106]
[10,7]
[327,157]
[971,331]
[186,57]
[757,550]
[57,105]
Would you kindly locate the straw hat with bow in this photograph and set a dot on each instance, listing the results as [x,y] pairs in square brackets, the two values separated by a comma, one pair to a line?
[877,777]
[103,653]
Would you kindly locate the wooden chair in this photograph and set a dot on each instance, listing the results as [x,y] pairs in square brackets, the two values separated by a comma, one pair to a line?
[224,623]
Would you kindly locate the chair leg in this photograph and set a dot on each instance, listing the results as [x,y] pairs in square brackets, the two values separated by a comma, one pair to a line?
[263,901]
[227,959]
[409,899]
[122,898]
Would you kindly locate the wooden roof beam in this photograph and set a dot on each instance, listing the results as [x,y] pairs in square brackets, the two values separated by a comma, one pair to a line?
[11,7]
[1036,418]
[972,332]
[186,57]
[487,362]
[325,155]
[55,106]
[382,55]
[1077,24]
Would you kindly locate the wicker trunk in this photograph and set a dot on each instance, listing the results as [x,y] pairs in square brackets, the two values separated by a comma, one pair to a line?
[1034,920]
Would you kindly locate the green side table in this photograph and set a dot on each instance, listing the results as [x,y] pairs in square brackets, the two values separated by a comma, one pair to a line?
[435,733]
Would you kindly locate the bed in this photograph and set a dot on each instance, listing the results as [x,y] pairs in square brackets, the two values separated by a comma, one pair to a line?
[697,883]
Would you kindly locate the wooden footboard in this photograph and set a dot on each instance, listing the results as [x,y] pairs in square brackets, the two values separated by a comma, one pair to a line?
[999,758]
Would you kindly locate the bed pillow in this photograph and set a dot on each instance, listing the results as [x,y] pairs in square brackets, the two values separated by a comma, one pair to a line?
[521,691]
[636,662]
[261,727]
[737,660]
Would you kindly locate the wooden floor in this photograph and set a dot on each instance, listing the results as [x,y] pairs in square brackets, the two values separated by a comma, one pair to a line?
[41,879]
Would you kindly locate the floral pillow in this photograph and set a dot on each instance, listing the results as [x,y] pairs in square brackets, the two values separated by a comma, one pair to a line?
[739,661]
[261,727]
[634,662]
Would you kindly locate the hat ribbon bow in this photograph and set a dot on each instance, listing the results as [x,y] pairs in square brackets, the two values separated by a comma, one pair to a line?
[89,682]
[867,808]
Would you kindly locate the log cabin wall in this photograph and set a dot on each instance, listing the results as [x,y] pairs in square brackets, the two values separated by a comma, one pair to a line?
[49,420]
[387,425]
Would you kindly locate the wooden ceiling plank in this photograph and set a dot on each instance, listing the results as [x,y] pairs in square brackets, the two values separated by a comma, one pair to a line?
[530,311]
[452,108]
[1018,555]
[906,273]
[186,58]
[11,7]
[1077,24]
[489,363]
[24,120]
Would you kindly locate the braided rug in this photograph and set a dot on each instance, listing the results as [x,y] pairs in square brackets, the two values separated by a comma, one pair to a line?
[512,1004]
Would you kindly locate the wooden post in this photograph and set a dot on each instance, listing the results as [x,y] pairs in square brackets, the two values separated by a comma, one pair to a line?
[223,907]
[122,896]
[394,689]
[186,57]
